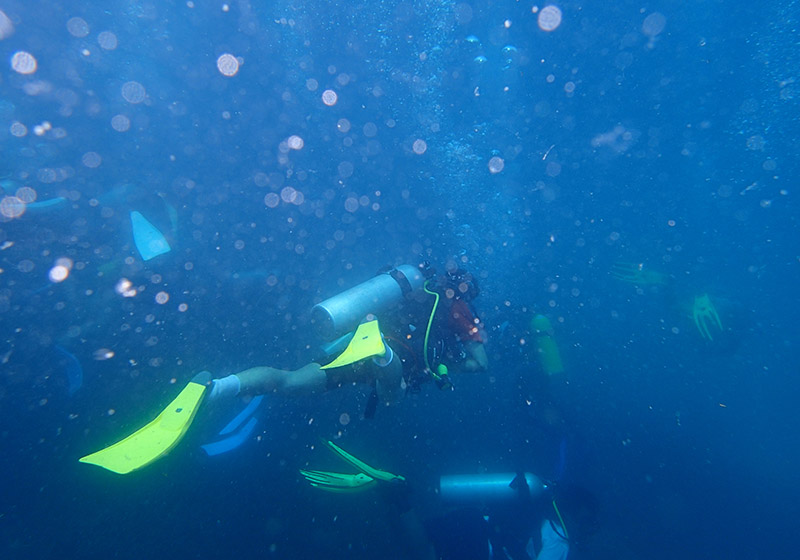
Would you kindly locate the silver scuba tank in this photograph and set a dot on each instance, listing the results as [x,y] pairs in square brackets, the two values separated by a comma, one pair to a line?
[346,310]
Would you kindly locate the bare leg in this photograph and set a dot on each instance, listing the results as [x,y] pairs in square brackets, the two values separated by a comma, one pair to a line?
[311,379]
[260,380]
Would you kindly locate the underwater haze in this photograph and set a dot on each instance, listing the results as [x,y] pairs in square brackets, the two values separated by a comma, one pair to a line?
[183,181]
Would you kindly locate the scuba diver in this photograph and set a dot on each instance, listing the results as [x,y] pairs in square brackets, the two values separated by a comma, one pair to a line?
[514,516]
[447,335]
[457,342]
[365,352]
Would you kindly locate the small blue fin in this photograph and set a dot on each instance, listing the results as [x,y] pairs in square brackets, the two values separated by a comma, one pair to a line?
[337,346]
[230,443]
[248,411]
[73,369]
[150,242]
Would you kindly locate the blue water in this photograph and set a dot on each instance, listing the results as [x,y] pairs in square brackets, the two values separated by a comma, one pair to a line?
[659,135]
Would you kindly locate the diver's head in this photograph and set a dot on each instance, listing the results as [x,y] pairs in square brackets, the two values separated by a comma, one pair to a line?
[578,510]
[464,284]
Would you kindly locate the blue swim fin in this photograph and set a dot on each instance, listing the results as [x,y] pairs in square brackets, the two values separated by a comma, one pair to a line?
[149,241]
[232,442]
[240,435]
[73,369]
[248,411]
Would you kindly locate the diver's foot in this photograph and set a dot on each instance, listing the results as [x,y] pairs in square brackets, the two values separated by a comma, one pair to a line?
[224,387]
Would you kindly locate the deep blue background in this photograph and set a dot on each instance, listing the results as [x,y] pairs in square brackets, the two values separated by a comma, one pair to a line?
[691,446]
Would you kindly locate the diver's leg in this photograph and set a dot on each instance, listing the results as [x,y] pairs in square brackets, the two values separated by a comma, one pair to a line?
[388,374]
[264,379]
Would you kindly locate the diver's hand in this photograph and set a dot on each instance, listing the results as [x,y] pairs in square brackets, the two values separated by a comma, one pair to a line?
[705,316]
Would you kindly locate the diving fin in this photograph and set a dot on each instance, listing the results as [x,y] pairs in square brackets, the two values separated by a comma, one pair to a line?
[248,411]
[372,472]
[231,442]
[149,241]
[337,482]
[158,437]
[340,482]
[240,435]
[367,342]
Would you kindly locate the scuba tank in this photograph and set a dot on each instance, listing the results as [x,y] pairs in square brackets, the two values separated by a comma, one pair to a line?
[496,488]
[344,311]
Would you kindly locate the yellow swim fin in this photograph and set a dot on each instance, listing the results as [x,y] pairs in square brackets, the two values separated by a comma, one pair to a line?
[367,342]
[158,437]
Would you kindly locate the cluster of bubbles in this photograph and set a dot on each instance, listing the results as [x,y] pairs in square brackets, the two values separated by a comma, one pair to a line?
[295,142]
[25,63]
[11,207]
[125,288]
[19,130]
[14,205]
[289,195]
[619,139]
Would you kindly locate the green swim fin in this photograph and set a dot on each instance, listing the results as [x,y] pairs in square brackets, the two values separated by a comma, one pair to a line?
[371,472]
[157,438]
[340,482]
[367,342]
[149,241]
[337,482]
